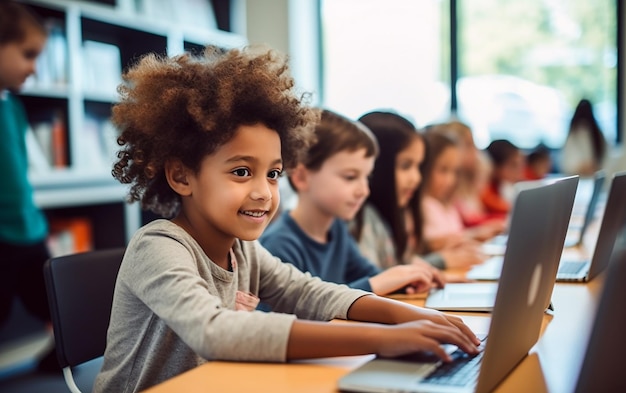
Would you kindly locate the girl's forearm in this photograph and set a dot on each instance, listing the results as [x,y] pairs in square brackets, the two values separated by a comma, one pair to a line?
[386,333]
[312,339]
[382,310]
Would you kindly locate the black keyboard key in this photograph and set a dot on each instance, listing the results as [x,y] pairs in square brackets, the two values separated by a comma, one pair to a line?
[461,371]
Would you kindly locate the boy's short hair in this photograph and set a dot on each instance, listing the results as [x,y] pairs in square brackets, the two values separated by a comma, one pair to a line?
[15,18]
[185,107]
[333,134]
[501,150]
[539,153]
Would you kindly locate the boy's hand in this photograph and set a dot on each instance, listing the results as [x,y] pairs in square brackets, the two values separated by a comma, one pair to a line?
[420,278]
[439,279]
[463,257]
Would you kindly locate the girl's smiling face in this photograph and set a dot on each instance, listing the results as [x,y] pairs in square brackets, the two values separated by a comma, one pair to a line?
[234,194]
[407,170]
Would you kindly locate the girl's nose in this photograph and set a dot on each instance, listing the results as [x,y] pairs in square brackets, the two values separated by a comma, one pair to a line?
[262,191]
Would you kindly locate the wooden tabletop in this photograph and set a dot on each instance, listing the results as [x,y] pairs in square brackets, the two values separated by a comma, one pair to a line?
[551,366]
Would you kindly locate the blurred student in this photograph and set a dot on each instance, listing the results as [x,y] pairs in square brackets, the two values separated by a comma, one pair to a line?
[508,168]
[474,175]
[443,224]
[585,148]
[538,163]
[331,181]
[389,227]
[204,140]
[23,226]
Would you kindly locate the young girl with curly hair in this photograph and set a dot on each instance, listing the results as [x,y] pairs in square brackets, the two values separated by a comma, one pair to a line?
[204,141]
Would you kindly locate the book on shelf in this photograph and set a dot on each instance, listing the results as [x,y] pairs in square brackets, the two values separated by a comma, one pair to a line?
[98,143]
[102,67]
[70,235]
[48,143]
[196,13]
[52,63]
[38,159]
[59,141]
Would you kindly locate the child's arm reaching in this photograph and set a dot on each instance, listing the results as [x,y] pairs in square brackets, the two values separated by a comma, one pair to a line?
[417,278]
[398,329]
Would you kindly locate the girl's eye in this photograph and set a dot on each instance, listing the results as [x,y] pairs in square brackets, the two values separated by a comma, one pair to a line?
[405,165]
[242,172]
[275,174]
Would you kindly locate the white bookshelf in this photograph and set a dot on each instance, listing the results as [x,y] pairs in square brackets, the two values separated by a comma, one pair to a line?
[83,186]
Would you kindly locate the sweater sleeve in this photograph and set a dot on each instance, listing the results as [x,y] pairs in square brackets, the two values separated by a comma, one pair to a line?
[167,281]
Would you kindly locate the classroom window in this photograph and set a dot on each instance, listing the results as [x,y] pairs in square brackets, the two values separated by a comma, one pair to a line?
[523,67]
[520,67]
[386,54]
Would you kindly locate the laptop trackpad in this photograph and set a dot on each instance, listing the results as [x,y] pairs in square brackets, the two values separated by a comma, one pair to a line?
[463,297]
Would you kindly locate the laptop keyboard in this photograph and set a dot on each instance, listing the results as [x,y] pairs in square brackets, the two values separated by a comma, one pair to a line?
[571,267]
[461,371]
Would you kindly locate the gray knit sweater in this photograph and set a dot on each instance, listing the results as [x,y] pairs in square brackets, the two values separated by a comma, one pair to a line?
[174,309]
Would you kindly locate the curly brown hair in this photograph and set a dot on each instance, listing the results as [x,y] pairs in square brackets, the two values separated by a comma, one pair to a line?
[185,107]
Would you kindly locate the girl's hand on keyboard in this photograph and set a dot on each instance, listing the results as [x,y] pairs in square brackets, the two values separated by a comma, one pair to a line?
[439,318]
[423,335]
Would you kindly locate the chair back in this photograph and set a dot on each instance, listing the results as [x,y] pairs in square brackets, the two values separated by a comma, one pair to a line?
[80,293]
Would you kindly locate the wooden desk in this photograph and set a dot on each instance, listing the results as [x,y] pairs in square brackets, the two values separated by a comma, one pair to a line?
[551,366]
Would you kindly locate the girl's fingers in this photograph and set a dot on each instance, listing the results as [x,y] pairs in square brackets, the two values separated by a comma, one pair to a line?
[451,335]
[459,324]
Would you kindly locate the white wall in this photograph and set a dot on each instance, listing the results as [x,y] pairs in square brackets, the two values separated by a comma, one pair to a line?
[267,22]
[291,27]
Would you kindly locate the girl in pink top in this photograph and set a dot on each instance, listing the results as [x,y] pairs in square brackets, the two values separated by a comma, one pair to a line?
[443,224]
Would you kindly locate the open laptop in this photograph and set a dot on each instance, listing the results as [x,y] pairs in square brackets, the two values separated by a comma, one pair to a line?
[576,233]
[497,244]
[602,367]
[539,223]
[515,324]
[582,270]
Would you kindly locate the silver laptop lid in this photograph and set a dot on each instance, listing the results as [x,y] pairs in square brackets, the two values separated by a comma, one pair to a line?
[603,366]
[611,224]
[526,285]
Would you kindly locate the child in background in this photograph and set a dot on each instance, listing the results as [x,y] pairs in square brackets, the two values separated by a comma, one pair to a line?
[389,226]
[204,141]
[585,149]
[443,224]
[331,181]
[508,169]
[538,163]
[474,175]
[23,226]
